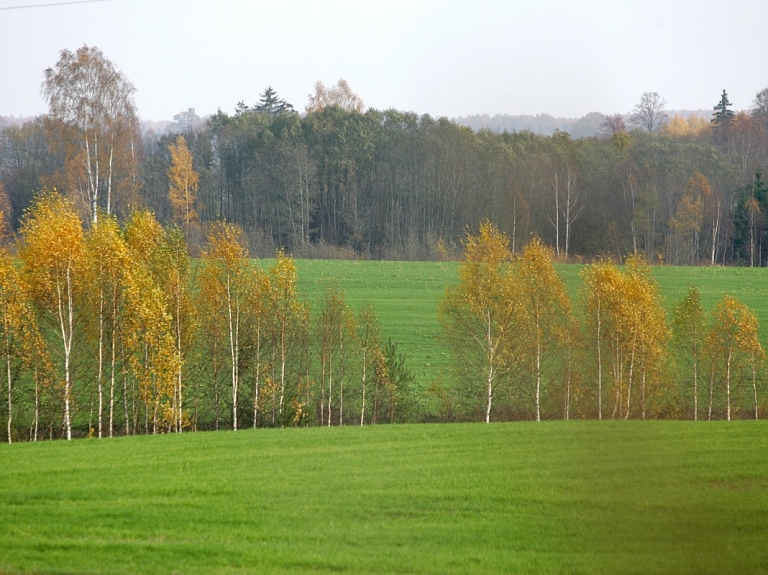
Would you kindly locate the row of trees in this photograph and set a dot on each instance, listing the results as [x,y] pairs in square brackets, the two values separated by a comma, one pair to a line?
[114,330]
[341,179]
[521,350]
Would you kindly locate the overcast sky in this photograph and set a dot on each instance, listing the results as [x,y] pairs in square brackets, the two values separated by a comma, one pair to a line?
[564,58]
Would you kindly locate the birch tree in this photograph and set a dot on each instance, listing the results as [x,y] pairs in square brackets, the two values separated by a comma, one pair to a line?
[334,335]
[689,324]
[367,332]
[732,344]
[183,184]
[17,325]
[107,262]
[91,106]
[51,251]
[477,315]
[545,316]
[287,314]
[599,294]
[225,272]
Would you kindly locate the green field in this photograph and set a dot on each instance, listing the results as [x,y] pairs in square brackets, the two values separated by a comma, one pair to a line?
[554,497]
[406,296]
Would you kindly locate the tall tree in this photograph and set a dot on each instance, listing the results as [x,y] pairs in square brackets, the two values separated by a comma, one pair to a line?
[91,105]
[107,262]
[183,184]
[52,255]
[288,314]
[478,316]
[226,269]
[545,316]
[270,103]
[17,328]
[334,335]
[722,115]
[732,342]
[367,331]
[689,325]
[650,113]
[600,297]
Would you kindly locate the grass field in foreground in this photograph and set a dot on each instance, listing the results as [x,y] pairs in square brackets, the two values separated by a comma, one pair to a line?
[553,497]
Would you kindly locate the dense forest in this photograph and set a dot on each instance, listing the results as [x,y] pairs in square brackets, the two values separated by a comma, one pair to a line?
[343,181]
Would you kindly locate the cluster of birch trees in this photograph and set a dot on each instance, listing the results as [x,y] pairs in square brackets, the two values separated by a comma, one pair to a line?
[114,330]
[521,349]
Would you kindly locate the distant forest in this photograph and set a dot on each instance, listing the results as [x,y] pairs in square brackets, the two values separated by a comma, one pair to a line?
[342,181]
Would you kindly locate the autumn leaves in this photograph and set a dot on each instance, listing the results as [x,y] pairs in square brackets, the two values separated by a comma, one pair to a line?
[509,324]
[115,331]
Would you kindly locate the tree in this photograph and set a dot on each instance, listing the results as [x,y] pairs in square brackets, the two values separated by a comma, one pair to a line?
[395,375]
[288,315]
[91,105]
[335,330]
[367,332]
[732,342]
[689,216]
[689,325]
[150,341]
[52,255]
[17,328]
[340,95]
[544,318]
[599,294]
[611,125]
[174,282]
[269,103]
[107,262]
[225,275]
[183,183]
[649,114]
[478,315]
[722,113]
[260,301]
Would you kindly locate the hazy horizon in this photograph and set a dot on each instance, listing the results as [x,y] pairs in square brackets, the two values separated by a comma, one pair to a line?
[442,58]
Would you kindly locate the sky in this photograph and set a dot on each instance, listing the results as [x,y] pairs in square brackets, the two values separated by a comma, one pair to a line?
[559,57]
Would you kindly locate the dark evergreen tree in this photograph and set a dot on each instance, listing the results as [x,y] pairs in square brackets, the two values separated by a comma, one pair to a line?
[269,103]
[723,115]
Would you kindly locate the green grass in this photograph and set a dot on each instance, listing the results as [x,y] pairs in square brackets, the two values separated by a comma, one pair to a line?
[554,497]
[406,296]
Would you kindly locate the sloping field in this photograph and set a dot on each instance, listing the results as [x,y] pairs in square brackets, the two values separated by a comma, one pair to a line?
[553,497]
[406,296]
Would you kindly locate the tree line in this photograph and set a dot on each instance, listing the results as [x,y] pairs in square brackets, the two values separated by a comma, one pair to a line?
[343,181]
[115,330]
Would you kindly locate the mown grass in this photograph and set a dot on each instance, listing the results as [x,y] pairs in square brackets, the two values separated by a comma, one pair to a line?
[554,497]
[406,296]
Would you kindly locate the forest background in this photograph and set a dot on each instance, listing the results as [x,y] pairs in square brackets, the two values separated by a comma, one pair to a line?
[343,181]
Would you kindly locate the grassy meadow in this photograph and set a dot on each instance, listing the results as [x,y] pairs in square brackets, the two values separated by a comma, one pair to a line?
[554,497]
[406,296]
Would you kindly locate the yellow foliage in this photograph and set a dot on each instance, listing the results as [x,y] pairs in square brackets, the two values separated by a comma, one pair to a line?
[183,183]
[691,126]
